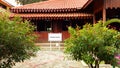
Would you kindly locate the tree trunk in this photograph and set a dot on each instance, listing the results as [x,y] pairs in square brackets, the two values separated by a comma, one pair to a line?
[96,64]
[90,66]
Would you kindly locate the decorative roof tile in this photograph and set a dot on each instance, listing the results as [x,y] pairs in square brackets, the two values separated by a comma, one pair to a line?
[53,5]
[52,9]
[54,15]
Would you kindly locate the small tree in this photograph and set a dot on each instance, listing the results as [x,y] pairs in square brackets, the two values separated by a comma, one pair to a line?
[16,41]
[93,44]
[23,2]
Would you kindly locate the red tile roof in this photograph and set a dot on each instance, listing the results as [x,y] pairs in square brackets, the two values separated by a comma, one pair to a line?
[54,15]
[60,9]
[6,3]
[53,5]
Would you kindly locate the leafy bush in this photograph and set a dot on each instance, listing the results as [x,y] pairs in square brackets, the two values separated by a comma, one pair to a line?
[16,41]
[93,44]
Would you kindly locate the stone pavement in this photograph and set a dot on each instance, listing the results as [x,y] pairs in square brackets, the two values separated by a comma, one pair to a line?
[49,59]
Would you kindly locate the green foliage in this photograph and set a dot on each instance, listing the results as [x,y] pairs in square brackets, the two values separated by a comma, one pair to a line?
[16,41]
[111,21]
[93,44]
[23,2]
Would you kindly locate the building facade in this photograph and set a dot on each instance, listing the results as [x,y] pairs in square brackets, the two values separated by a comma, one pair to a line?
[54,16]
[104,10]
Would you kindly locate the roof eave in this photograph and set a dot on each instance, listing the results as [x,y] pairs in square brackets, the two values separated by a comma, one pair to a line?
[89,2]
[6,3]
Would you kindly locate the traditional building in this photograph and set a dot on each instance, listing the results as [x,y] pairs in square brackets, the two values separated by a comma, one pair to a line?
[103,10]
[4,4]
[54,16]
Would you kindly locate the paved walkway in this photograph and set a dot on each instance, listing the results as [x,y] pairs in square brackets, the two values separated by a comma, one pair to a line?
[48,59]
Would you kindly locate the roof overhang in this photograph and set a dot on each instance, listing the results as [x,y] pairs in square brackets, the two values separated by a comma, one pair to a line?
[89,2]
[6,3]
[54,16]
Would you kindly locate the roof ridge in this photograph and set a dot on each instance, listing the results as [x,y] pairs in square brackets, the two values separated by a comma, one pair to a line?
[35,3]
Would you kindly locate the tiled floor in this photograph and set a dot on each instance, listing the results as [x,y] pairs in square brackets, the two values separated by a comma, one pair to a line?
[48,59]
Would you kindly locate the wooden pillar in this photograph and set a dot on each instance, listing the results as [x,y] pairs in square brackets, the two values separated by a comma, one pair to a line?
[104,10]
[57,26]
[94,18]
[35,23]
[104,15]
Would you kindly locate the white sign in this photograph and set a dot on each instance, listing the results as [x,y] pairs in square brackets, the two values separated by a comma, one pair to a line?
[54,37]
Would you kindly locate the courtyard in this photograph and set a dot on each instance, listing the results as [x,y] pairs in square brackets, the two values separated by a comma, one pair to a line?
[49,59]
[96,42]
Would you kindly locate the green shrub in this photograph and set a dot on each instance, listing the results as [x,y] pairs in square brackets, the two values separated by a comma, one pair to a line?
[16,40]
[93,44]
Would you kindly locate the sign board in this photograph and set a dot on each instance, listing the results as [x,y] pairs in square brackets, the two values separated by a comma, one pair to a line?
[55,37]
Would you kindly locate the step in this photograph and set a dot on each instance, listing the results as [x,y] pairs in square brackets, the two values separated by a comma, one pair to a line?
[53,48]
[47,44]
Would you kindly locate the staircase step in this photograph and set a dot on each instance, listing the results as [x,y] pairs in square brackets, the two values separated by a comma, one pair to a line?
[53,48]
[45,44]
